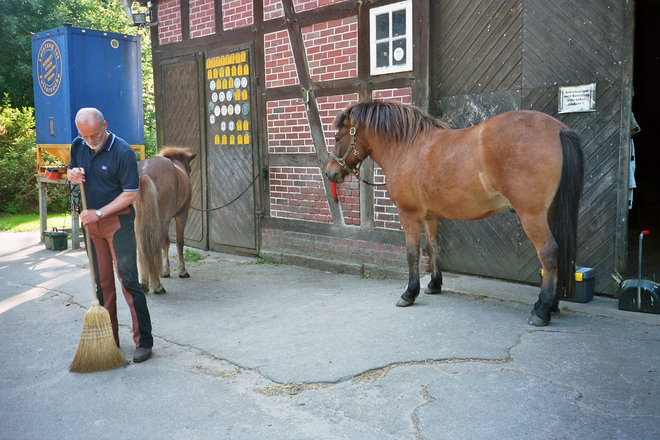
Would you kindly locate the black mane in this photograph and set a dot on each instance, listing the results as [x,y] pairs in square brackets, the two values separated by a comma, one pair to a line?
[398,122]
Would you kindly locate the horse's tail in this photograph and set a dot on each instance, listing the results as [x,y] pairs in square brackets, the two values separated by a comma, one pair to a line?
[567,208]
[147,228]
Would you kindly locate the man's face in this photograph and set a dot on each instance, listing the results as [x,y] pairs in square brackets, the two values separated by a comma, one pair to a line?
[93,134]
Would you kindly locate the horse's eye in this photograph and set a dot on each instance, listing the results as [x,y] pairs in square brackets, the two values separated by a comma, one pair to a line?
[336,139]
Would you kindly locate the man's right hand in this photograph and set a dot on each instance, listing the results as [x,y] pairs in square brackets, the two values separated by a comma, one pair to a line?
[76,175]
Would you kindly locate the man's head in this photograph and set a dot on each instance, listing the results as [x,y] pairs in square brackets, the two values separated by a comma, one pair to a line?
[92,127]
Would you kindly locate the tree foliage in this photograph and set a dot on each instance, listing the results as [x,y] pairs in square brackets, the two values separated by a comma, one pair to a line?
[18,19]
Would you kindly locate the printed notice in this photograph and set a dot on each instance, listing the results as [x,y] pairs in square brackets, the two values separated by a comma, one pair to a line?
[577,99]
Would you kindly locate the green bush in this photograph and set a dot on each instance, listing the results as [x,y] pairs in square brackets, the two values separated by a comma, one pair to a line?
[19,192]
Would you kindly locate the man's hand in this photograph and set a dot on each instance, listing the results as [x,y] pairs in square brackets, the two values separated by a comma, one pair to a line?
[88,216]
[76,175]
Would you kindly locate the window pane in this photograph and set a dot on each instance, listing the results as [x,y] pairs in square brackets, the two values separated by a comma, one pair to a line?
[399,23]
[382,26]
[399,55]
[382,55]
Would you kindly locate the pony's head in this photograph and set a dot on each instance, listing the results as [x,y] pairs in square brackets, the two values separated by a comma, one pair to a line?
[368,125]
[178,154]
[345,158]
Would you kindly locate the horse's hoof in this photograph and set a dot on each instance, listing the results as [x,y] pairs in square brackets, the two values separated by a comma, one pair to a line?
[165,275]
[145,288]
[184,275]
[432,291]
[160,291]
[404,303]
[538,322]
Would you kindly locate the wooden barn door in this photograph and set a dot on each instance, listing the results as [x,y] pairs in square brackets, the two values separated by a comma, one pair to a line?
[232,149]
[491,57]
[182,99]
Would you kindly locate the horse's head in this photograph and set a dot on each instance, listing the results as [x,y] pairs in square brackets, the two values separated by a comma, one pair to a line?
[176,154]
[345,158]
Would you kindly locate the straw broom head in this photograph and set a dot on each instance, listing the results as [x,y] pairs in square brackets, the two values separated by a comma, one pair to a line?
[97,349]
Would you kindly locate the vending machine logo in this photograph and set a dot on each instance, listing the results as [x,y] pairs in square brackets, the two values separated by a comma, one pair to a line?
[49,67]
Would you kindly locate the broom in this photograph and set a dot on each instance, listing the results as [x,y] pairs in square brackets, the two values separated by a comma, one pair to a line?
[97,349]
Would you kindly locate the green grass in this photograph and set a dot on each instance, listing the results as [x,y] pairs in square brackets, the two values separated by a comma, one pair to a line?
[190,255]
[30,222]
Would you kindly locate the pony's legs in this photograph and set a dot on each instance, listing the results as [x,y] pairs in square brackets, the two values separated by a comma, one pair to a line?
[538,231]
[143,272]
[411,228]
[180,227]
[166,257]
[431,227]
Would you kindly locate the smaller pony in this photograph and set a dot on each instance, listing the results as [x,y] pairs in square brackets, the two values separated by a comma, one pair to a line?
[164,194]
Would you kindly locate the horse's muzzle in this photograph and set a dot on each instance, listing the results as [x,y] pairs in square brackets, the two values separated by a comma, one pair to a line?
[334,172]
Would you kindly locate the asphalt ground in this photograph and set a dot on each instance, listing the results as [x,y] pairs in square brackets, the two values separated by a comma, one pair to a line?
[274,351]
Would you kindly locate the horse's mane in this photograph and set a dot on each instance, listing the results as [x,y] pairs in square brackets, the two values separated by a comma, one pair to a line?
[398,122]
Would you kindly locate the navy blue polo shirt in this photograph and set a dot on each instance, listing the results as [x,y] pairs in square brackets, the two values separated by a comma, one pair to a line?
[108,173]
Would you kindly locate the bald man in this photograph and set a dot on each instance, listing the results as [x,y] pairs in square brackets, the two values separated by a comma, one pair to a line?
[106,165]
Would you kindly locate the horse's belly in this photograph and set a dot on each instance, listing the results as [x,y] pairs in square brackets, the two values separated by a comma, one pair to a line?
[470,208]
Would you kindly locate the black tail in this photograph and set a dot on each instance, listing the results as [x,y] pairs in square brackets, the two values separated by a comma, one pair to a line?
[568,204]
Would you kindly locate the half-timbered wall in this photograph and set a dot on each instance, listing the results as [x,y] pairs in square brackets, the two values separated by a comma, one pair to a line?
[472,59]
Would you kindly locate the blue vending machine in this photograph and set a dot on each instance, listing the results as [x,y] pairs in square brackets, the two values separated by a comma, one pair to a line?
[75,68]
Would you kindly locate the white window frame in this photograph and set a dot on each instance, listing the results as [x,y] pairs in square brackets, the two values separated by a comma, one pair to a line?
[407,5]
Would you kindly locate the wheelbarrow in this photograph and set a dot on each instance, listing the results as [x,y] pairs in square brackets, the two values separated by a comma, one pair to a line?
[640,295]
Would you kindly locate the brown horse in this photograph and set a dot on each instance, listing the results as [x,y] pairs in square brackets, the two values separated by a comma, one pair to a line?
[523,160]
[164,194]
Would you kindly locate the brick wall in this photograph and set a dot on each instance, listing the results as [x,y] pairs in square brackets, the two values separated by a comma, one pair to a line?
[335,248]
[280,66]
[273,8]
[332,49]
[348,192]
[289,133]
[169,28]
[202,18]
[237,13]
[386,215]
[298,192]
[288,129]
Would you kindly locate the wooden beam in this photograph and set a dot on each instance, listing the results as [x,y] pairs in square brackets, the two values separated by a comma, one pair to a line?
[308,96]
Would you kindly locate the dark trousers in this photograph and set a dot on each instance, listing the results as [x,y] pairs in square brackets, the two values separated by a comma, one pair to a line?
[113,242]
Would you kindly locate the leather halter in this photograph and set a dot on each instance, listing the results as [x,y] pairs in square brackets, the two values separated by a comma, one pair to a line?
[352,148]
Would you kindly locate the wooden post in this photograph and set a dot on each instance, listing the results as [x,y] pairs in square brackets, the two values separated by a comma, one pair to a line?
[43,206]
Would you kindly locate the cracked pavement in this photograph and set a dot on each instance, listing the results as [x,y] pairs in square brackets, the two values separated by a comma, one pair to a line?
[267,351]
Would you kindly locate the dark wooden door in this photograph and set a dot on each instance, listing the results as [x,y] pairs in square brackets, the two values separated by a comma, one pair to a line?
[182,98]
[491,57]
[231,147]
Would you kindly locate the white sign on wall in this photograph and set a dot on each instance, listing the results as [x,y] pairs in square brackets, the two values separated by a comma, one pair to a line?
[577,98]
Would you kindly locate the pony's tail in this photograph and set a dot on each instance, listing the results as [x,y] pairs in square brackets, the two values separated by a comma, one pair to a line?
[147,228]
[568,203]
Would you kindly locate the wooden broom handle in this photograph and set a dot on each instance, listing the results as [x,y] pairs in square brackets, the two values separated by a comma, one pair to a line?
[88,240]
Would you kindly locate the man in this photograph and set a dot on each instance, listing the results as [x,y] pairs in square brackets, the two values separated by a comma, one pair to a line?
[106,165]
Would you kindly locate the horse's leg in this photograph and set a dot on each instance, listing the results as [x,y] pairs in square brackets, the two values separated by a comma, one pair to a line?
[143,272]
[433,248]
[180,227]
[411,228]
[538,231]
[166,256]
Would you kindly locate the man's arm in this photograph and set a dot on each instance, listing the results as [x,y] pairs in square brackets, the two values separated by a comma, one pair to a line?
[120,202]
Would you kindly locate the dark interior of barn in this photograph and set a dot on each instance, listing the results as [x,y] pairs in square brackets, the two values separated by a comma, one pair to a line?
[645,212]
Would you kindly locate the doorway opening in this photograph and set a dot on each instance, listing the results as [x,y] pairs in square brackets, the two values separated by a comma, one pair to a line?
[645,212]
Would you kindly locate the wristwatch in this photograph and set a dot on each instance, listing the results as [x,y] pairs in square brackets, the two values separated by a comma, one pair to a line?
[99,213]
